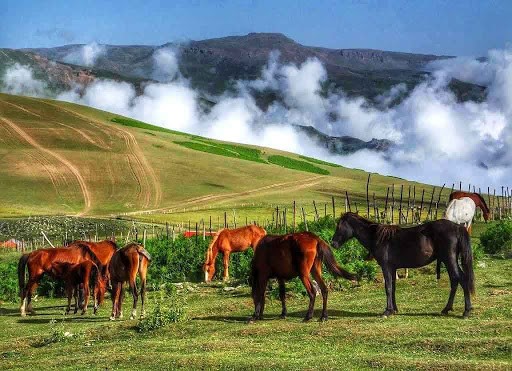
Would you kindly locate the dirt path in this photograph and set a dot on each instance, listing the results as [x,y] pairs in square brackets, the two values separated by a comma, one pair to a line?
[85,136]
[150,192]
[21,108]
[293,185]
[74,170]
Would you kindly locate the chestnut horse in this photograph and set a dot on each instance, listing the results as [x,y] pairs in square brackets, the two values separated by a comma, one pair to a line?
[124,266]
[227,241]
[477,199]
[103,251]
[81,275]
[46,261]
[394,247]
[289,256]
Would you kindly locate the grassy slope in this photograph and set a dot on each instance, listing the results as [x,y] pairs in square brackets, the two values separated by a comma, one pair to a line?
[33,182]
[215,336]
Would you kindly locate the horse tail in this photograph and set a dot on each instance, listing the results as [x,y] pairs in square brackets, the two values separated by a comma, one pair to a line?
[325,254]
[438,269]
[464,246]
[22,263]
[143,253]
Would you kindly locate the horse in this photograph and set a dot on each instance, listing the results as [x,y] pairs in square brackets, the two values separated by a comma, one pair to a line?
[394,247]
[461,211]
[477,199]
[124,266]
[289,256]
[81,275]
[227,241]
[103,251]
[45,261]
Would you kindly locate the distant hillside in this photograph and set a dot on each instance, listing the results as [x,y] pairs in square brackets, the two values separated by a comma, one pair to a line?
[213,64]
[62,158]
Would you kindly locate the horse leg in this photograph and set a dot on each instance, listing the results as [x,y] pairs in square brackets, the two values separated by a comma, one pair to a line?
[304,277]
[317,275]
[86,297]
[120,301]
[258,296]
[406,273]
[388,273]
[467,296]
[226,265]
[135,294]
[393,289]
[142,275]
[453,273]
[115,299]
[69,294]
[27,301]
[282,296]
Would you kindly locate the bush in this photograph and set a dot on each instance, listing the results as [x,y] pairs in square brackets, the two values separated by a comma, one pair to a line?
[9,281]
[497,239]
[170,308]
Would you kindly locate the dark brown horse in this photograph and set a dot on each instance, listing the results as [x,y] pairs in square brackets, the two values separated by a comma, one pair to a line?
[477,199]
[46,261]
[227,241]
[394,247]
[78,278]
[289,256]
[124,266]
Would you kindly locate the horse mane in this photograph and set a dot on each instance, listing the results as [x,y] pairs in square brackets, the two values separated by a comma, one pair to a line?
[385,232]
[358,217]
[209,250]
[87,250]
[484,204]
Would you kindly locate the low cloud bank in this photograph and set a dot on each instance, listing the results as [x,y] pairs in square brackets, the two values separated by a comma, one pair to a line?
[437,139]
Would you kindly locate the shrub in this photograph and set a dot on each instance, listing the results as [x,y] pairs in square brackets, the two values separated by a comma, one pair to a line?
[9,281]
[170,308]
[497,239]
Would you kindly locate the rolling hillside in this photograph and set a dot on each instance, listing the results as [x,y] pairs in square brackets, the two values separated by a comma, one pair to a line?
[62,158]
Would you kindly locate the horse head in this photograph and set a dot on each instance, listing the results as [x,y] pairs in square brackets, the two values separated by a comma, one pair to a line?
[344,231]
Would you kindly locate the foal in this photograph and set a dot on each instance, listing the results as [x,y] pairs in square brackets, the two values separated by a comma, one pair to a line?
[124,266]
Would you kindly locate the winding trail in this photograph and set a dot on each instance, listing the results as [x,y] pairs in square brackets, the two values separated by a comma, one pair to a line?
[150,192]
[74,170]
[292,185]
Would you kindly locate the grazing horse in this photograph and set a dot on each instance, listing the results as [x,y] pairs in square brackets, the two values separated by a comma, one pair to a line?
[289,256]
[477,199]
[394,247]
[46,261]
[103,251]
[124,266]
[81,275]
[227,241]
[461,211]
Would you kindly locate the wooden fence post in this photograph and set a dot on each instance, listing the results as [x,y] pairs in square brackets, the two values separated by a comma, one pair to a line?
[316,210]
[430,205]
[368,197]
[348,201]
[333,208]
[294,216]
[421,205]
[400,207]
[439,200]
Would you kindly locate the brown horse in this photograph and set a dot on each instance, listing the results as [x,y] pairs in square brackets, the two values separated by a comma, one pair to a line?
[394,247]
[103,251]
[477,199]
[46,261]
[289,256]
[81,276]
[124,266]
[227,241]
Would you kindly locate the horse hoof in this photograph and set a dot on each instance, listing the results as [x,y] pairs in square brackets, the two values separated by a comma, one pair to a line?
[23,314]
[251,320]
[323,318]
[282,316]
[465,315]
[112,318]
[306,320]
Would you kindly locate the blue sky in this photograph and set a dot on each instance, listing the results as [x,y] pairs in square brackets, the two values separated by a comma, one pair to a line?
[450,27]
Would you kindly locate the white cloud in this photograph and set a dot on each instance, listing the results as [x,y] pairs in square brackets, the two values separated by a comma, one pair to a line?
[19,79]
[86,55]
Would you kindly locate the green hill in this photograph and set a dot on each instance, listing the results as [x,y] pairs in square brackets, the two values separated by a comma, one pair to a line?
[62,158]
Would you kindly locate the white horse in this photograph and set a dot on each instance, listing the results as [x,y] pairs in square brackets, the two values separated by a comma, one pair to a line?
[461,211]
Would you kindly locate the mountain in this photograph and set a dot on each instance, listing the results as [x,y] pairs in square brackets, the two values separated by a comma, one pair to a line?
[213,64]
[63,158]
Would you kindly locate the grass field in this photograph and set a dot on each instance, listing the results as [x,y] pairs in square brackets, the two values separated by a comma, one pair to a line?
[60,158]
[215,334]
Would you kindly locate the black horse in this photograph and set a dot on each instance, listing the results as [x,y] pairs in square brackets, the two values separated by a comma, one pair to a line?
[394,247]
